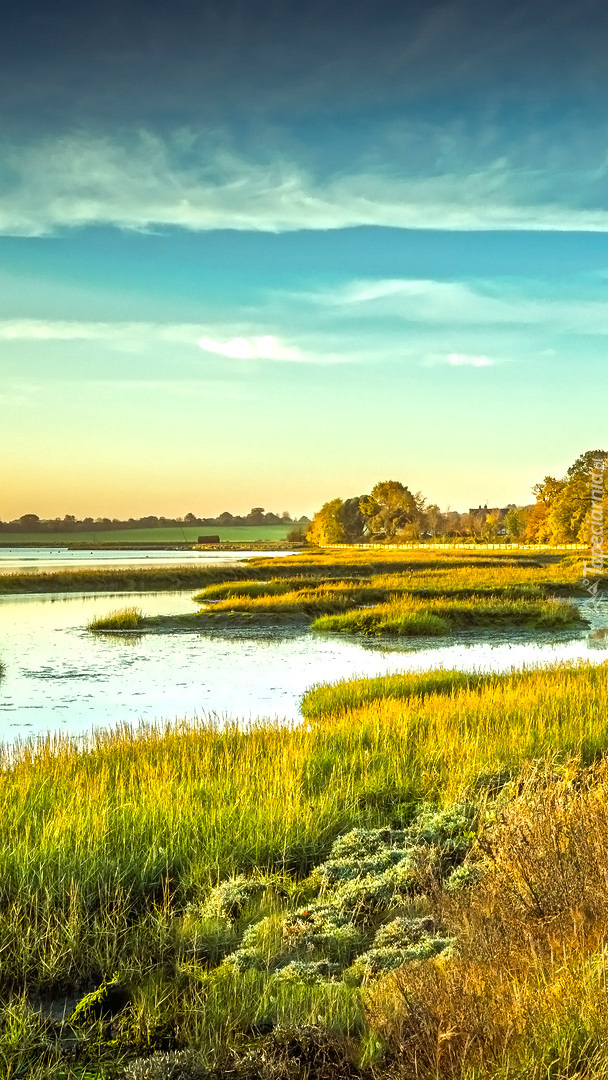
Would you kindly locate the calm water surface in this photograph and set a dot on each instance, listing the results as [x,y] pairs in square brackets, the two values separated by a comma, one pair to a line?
[61,677]
[37,559]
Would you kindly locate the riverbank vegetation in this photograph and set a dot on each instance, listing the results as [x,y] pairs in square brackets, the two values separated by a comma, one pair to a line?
[339,592]
[410,885]
[563,513]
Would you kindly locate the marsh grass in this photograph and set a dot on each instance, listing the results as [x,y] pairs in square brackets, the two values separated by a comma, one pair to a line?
[128,579]
[112,852]
[127,618]
[405,617]
[331,698]
[408,603]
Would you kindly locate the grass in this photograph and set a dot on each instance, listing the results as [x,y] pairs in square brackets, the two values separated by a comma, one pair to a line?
[332,698]
[409,885]
[128,579]
[442,616]
[237,880]
[527,994]
[128,618]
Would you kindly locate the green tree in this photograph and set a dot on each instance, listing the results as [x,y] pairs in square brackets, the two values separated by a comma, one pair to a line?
[514,523]
[390,507]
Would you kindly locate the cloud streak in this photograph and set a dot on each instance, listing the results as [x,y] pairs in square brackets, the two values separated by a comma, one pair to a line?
[143,181]
[462,360]
[455,303]
[254,347]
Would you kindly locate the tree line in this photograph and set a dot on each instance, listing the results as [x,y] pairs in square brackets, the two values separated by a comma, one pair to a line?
[31,523]
[562,513]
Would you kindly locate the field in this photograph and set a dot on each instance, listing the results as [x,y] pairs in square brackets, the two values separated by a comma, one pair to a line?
[409,885]
[230,534]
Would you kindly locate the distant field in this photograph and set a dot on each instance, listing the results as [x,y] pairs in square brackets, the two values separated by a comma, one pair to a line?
[228,534]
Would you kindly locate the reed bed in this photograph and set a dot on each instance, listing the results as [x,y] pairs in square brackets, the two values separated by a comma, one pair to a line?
[332,698]
[177,859]
[407,617]
[509,582]
[128,579]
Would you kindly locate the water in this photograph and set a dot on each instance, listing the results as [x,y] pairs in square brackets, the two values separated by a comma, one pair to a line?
[60,677]
[14,560]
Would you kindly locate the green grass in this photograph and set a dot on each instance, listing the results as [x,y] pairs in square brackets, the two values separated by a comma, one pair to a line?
[229,534]
[129,579]
[442,616]
[327,699]
[196,863]
[254,886]
[128,618]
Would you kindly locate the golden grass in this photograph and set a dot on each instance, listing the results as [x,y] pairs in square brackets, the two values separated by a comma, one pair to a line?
[403,616]
[108,850]
[527,994]
[127,618]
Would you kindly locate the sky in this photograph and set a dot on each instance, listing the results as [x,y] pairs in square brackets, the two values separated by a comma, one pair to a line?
[269,253]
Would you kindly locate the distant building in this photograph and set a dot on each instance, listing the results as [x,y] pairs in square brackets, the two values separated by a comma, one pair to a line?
[483,511]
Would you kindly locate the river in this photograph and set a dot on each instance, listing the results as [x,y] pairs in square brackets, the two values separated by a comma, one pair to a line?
[60,677]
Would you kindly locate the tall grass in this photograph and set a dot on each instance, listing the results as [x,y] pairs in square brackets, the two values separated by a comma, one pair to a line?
[527,994]
[110,848]
[405,617]
[331,698]
[127,579]
[128,618]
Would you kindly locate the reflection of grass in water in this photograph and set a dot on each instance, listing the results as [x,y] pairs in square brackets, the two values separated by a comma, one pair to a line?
[125,637]
[128,618]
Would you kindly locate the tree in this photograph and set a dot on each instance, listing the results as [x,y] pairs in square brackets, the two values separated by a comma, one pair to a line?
[435,520]
[327,526]
[256,516]
[352,519]
[390,507]
[514,523]
[562,511]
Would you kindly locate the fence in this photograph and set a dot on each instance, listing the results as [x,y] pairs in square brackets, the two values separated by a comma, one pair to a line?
[460,547]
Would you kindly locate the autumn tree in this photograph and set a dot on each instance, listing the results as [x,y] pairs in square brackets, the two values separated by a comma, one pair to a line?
[562,510]
[327,526]
[390,507]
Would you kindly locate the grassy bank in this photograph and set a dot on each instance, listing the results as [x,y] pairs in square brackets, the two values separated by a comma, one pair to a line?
[249,892]
[129,579]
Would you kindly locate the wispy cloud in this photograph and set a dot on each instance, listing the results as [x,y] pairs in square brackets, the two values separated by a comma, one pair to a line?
[449,303]
[462,360]
[254,348]
[142,181]
[116,332]
[261,347]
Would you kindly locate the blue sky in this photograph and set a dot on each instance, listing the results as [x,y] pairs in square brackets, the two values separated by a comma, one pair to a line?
[256,254]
